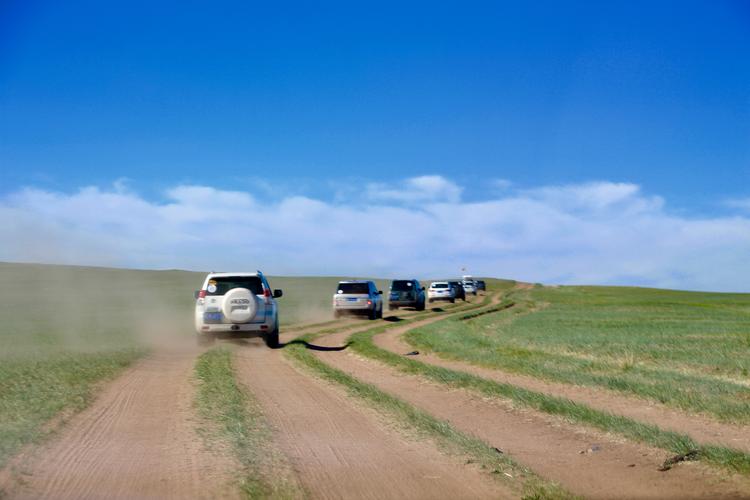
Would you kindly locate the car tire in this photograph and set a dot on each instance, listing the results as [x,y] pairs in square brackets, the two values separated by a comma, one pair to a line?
[373,314]
[393,308]
[420,306]
[430,301]
[272,338]
[453,301]
[380,313]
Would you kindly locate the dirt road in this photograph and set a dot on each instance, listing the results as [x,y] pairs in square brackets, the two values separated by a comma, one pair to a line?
[138,440]
[341,450]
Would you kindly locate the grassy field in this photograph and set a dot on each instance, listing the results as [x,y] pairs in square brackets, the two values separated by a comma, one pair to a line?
[689,350]
[362,343]
[65,329]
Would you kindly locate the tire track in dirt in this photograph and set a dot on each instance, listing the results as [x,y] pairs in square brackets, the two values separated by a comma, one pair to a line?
[342,450]
[615,468]
[702,429]
[137,440]
[699,427]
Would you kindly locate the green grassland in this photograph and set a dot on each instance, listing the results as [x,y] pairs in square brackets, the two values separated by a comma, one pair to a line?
[690,350]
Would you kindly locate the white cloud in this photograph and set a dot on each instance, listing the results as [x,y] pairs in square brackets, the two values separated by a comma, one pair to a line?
[427,188]
[741,203]
[600,232]
[501,184]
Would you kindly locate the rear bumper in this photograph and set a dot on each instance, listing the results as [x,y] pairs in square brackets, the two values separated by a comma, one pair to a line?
[403,303]
[353,307]
[353,310]
[243,328]
[442,297]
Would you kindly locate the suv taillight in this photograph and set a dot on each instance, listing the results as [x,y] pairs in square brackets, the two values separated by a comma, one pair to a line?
[267,295]
[202,294]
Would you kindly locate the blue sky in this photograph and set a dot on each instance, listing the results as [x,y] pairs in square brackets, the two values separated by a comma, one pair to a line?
[344,102]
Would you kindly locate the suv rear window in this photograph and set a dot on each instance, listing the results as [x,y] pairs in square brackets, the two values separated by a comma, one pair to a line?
[353,288]
[440,285]
[402,286]
[222,284]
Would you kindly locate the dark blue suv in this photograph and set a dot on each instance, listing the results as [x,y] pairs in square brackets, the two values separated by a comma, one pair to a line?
[406,293]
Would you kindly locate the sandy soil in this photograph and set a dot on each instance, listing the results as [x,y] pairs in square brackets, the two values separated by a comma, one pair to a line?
[138,440]
[341,450]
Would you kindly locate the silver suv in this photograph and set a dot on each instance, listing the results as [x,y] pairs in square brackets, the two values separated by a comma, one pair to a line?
[358,297]
[237,304]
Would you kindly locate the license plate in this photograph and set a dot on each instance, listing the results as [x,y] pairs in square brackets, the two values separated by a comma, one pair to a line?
[352,299]
[212,316]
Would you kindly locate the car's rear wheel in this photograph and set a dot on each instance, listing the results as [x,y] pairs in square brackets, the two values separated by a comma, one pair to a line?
[272,338]
[453,301]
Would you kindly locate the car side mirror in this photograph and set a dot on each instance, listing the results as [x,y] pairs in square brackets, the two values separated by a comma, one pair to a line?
[380,292]
[277,293]
[197,292]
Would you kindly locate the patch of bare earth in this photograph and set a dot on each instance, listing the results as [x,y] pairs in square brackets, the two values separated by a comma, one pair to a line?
[137,440]
[584,461]
[340,449]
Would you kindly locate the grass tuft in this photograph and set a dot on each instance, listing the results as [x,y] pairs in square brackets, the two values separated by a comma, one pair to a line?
[234,416]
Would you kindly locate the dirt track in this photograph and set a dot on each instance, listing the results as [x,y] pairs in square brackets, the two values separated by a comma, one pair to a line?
[550,446]
[139,440]
[340,450]
[702,429]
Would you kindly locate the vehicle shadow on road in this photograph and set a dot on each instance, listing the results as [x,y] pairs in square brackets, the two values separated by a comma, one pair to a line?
[393,319]
[314,347]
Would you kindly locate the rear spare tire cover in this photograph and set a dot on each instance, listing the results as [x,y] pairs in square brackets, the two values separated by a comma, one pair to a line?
[239,305]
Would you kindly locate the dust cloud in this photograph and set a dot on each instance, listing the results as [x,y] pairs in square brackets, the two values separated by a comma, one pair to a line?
[49,309]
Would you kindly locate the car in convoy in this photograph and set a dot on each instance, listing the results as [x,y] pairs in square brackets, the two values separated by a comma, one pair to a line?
[358,297]
[238,304]
[406,293]
[481,285]
[458,288]
[441,290]
[469,286]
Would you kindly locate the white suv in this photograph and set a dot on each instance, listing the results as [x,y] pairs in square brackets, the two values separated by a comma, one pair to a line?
[441,290]
[359,297]
[240,304]
[470,286]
